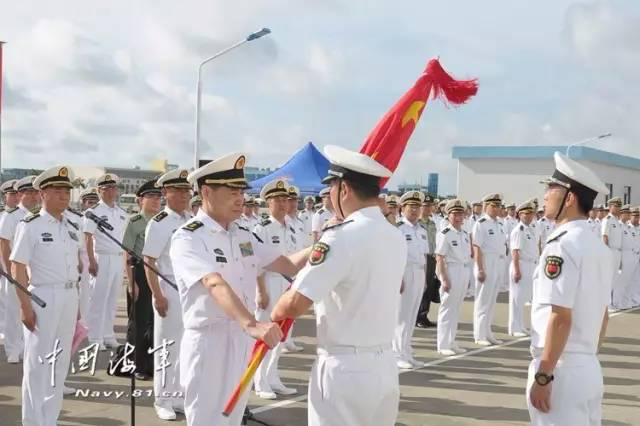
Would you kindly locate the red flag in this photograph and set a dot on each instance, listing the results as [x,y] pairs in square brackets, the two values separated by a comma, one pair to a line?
[387,141]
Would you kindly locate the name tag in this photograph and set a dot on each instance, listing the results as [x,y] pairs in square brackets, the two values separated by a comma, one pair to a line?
[275,239]
[246,249]
[490,231]
[454,243]
[221,259]
[408,237]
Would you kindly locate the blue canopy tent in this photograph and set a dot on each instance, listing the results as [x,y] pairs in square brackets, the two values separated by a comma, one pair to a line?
[305,169]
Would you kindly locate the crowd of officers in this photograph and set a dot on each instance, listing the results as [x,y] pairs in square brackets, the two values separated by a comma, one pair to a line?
[244,261]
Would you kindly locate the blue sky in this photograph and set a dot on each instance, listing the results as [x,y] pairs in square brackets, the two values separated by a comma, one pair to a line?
[113,82]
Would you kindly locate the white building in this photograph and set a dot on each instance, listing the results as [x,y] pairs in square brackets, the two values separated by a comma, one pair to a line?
[515,171]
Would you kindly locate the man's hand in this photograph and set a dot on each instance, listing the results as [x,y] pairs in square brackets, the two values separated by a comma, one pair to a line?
[517,275]
[93,267]
[161,304]
[80,265]
[446,286]
[481,275]
[402,287]
[540,397]
[262,299]
[268,332]
[28,317]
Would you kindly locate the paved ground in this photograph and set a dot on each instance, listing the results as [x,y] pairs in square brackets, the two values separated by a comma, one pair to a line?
[483,387]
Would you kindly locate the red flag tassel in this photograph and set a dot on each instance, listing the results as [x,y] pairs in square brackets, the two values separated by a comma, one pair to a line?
[448,89]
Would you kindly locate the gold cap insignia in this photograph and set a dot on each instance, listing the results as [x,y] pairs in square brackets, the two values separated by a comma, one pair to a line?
[240,162]
[64,172]
[184,174]
[280,184]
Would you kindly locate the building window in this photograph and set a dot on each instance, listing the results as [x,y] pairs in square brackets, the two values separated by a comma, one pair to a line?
[610,194]
[627,195]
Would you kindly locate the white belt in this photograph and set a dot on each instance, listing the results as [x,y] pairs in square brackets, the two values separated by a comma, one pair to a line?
[65,285]
[109,253]
[566,356]
[415,265]
[458,264]
[349,350]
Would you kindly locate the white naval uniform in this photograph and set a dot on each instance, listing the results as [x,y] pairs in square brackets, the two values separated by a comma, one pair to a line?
[594,225]
[215,350]
[107,285]
[523,239]
[83,285]
[633,291]
[49,248]
[355,290]
[508,223]
[546,227]
[489,236]
[414,281]
[306,217]
[612,228]
[472,279]
[157,242]
[248,222]
[301,240]
[453,245]
[319,219]
[581,283]
[282,238]
[628,263]
[13,335]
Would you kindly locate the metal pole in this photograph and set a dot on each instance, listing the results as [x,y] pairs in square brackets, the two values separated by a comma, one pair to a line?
[1,78]
[250,37]
[599,137]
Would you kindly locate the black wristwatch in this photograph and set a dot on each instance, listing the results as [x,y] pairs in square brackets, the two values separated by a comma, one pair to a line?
[543,379]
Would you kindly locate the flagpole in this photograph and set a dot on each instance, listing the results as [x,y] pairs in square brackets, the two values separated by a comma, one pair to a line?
[1,65]
[196,144]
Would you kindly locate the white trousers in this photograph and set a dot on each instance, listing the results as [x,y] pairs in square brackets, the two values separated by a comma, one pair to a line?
[450,302]
[42,401]
[356,390]
[84,288]
[471,288]
[267,373]
[414,282]
[619,298]
[505,278]
[486,294]
[617,259]
[166,382]
[519,294]
[105,289]
[212,360]
[576,393]
[634,288]
[3,302]
[13,334]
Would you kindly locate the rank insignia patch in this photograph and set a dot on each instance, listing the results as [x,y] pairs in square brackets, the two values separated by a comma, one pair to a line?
[246,249]
[318,253]
[553,266]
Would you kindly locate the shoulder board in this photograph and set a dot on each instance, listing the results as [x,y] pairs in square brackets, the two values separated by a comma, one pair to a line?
[556,238]
[399,223]
[243,228]
[31,217]
[522,227]
[160,216]
[292,230]
[136,218]
[75,225]
[320,211]
[483,219]
[257,238]
[192,226]
[12,210]
[74,211]
[445,230]
[265,222]
[337,225]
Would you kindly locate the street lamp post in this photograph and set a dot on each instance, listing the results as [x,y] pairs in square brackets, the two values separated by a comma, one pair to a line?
[586,141]
[250,37]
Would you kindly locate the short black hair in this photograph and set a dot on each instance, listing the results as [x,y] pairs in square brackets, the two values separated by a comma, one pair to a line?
[363,191]
[585,201]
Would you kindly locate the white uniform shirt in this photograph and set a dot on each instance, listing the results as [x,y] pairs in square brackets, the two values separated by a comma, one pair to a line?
[248,222]
[546,227]
[417,242]
[453,245]
[278,235]
[307,217]
[116,217]
[157,238]
[489,236]
[74,219]
[202,247]
[49,248]
[296,226]
[9,222]
[320,218]
[628,237]
[523,238]
[612,228]
[355,285]
[575,272]
[594,224]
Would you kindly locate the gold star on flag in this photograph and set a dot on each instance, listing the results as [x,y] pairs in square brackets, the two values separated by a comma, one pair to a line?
[413,112]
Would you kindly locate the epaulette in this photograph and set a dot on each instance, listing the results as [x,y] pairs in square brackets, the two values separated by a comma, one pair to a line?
[556,238]
[31,217]
[445,230]
[482,219]
[192,226]
[399,223]
[265,222]
[12,210]
[74,211]
[136,218]
[292,230]
[160,216]
[257,238]
[75,225]
[321,211]
[243,228]
[337,225]
[521,227]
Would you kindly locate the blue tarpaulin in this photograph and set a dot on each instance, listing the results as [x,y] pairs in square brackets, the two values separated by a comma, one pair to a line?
[305,170]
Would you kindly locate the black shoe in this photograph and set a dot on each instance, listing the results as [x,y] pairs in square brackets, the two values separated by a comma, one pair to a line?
[429,324]
[421,324]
